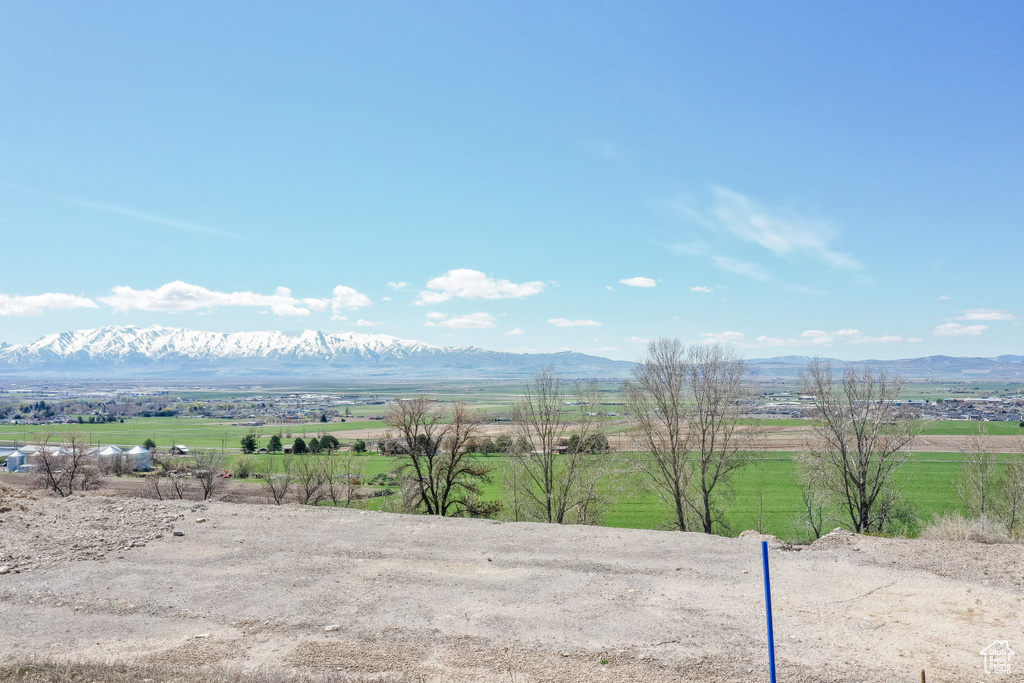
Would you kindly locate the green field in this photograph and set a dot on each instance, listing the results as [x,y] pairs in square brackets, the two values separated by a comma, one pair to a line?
[769,485]
[765,491]
[192,431]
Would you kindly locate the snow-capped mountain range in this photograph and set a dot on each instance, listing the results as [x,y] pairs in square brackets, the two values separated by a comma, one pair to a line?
[170,352]
[167,352]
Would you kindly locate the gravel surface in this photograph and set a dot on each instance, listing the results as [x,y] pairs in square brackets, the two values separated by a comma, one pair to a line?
[378,596]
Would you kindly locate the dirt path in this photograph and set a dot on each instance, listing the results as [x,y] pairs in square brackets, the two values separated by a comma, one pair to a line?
[474,600]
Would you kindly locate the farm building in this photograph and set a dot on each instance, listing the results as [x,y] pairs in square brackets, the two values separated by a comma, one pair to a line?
[141,458]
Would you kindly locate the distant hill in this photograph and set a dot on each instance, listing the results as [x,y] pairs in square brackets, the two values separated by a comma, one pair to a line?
[167,352]
[927,368]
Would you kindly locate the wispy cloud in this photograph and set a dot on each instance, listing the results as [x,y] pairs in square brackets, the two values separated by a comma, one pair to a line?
[152,218]
[397,285]
[181,296]
[37,304]
[636,340]
[515,332]
[807,338]
[731,265]
[465,283]
[639,282]
[474,321]
[985,314]
[732,216]
[367,323]
[781,232]
[958,330]
[563,322]
[703,290]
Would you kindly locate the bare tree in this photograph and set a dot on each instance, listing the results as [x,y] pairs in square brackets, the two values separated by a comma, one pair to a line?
[279,478]
[657,400]
[431,445]
[977,486]
[556,482]
[209,466]
[813,501]
[1011,490]
[721,447]
[67,467]
[311,478]
[344,476]
[860,439]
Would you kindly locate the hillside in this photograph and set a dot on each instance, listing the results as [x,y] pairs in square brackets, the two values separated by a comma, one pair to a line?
[363,596]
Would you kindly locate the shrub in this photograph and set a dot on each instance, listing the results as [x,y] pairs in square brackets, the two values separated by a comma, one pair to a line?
[956,527]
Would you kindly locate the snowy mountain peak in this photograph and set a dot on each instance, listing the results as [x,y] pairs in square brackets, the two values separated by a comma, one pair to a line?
[128,350]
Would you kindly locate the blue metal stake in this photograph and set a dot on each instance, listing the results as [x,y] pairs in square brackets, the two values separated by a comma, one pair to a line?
[768,608]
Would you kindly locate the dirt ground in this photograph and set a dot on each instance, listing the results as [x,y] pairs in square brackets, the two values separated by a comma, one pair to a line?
[423,599]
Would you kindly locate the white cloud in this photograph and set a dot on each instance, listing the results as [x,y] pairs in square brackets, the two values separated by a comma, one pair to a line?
[698,288]
[476,321]
[474,284]
[958,330]
[607,348]
[914,340]
[397,285]
[367,323]
[181,296]
[985,314]
[636,340]
[639,281]
[563,322]
[943,297]
[721,337]
[37,304]
[731,265]
[516,331]
[347,297]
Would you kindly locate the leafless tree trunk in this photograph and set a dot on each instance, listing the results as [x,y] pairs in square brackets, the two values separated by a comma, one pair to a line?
[344,476]
[431,446]
[656,397]
[310,479]
[860,440]
[208,470]
[559,478]
[716,385]
[812,512]
[67,467]
[1012,490]
[279,478]
[977,485]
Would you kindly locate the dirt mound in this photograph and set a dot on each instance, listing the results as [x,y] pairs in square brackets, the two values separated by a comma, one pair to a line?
[837,538]
[14,499]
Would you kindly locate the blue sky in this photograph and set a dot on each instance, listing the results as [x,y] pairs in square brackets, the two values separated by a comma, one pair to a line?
[840,179]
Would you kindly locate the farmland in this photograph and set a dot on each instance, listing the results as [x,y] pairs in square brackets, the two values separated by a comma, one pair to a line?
[765,494]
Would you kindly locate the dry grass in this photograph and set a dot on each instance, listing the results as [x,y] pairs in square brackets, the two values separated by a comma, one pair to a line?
[956,527]
[58,670]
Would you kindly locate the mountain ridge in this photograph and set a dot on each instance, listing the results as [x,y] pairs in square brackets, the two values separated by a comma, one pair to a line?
[130,351]
[156,351]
